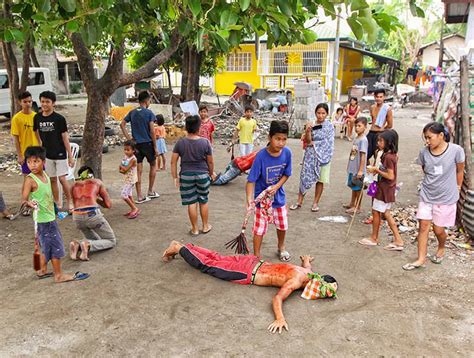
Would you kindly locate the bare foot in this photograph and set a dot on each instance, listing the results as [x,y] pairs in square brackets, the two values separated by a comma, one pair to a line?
[171,251]
[84,251]
[73,249]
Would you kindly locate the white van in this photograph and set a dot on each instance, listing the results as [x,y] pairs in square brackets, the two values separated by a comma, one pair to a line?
[39,80]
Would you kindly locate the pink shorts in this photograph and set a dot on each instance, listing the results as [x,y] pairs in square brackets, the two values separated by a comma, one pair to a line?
[441,215]
[127,190]
[280,219]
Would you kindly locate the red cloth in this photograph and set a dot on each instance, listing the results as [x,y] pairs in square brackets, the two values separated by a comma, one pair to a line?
[244,163]
[237,269]
[206,130]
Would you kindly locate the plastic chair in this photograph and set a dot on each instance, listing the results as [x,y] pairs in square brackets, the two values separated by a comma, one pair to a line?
[71,171]
[75,155]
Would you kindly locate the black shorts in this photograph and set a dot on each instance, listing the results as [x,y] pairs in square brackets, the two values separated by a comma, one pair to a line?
[145,150]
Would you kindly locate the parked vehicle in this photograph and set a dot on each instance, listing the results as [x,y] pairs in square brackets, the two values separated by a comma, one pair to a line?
[39,80]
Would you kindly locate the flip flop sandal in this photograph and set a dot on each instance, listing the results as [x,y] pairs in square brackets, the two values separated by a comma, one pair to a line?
[9,217]
[435,259]
[78,276]
[133,215]
[46,275]
[315,209]
[345,206]
[368,242]
[208,231]
[127,214]
[153,195]
[411,267]
[143,200]
[295,207]
[351,211]
[367,221]
[193,233]
[393,247]
[284,256]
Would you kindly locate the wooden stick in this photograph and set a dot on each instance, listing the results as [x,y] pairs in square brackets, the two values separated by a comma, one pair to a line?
[358,200]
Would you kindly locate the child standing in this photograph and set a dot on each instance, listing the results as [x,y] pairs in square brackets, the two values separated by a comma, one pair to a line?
[356,167]
[128,168]
[387,143]
[160,134]
[270,170]
[338,122]
[207,127]
[37,194]
[245,130]
[443,165]
[197,167]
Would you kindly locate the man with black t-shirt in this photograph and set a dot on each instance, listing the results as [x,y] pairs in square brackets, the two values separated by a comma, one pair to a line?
[51,130]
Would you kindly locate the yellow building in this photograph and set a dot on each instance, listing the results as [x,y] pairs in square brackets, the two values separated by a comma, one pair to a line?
[280,66]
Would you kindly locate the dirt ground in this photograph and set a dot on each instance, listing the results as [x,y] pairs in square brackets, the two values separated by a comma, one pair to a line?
[135,305]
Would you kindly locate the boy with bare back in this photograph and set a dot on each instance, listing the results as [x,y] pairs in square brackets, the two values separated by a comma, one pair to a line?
[382,118]
[87,194]
[250,270]
[37,194]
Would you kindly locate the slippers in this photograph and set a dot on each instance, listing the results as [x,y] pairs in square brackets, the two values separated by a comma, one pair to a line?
[411,267]
[208,231]
[351,211]
[78,276]
[435,259]
[367,221]
[295,207]
[10,217]
[142,200]
[133,215]
[368,242]
[127,214]
[193,233]
[153,195]
[46,275]
[284,256]
[393,247]
[315,208]
[346,206]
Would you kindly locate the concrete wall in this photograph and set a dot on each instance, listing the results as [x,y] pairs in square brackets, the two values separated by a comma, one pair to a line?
[430,54]
[46,58]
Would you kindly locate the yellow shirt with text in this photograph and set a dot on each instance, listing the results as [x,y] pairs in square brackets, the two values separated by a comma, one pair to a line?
[22,126]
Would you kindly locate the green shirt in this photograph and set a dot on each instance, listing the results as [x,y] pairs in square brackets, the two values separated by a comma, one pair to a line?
[44,197]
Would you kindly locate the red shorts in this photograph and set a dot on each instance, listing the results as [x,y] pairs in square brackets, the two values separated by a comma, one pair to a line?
[280,219]
[237,269]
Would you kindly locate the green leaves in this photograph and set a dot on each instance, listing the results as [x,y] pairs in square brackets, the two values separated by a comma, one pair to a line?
[72,26]
[90,33]
[68,5]
[13,35]
[43,5]
[309,36]
[244,4]
[356,27]
[357,4]
[195,7]
[228,18]
[416,10]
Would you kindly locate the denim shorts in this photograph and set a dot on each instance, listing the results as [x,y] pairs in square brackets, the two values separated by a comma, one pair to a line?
[50,240]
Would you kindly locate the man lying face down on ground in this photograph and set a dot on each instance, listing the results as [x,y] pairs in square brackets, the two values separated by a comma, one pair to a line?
[249,269]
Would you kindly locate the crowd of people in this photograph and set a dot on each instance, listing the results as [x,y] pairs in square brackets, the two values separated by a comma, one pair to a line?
[44,153]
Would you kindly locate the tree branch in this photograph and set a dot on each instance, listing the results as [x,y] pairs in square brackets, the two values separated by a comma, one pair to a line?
[85,60]
[148,69]
[114,71]
[26,62]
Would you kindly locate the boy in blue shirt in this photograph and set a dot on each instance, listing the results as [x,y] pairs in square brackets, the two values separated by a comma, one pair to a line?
[270,170]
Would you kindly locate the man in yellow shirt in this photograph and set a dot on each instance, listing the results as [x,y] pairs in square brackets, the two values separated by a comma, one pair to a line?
[22,129]
[245,130]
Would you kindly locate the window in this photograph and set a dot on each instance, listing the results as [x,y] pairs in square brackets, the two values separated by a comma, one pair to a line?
[3,81]
[35,78]
[280,62]
[239,62]
[313,62]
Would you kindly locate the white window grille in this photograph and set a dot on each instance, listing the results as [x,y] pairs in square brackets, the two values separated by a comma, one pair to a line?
[272,82]
[239,62]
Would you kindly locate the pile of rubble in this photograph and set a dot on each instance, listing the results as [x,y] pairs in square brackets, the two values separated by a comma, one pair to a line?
[8,163]
[110,139]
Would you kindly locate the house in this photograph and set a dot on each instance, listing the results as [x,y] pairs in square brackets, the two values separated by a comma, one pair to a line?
[452,44]
[280,66]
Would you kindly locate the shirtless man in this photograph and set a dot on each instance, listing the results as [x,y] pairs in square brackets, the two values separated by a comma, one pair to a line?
[86,193]
[249,269]
[382,118]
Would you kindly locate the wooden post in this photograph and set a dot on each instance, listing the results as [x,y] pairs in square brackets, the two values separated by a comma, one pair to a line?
[66,72]
[466,121]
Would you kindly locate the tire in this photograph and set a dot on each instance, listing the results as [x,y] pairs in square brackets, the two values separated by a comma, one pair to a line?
[76,138]
[109,132]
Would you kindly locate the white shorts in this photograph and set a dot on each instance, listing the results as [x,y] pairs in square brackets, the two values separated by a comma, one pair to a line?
[245,149]
[56,168]
[380,206]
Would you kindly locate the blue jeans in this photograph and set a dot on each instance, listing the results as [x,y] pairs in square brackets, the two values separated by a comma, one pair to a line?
[231,172]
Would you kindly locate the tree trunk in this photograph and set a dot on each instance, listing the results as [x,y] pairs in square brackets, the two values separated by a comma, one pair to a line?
[11,65]
[194,70]
[184,72]
[34,59]
[93,136]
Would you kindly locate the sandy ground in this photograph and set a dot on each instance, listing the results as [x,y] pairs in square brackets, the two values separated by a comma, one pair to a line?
[135,305]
